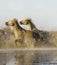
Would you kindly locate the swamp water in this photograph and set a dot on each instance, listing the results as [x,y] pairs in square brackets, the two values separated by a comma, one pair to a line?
[29,57]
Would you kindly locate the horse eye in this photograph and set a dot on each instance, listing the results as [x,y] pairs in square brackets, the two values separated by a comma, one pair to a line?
[26,23]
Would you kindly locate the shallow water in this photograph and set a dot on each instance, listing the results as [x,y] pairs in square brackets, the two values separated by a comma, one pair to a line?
[28,58]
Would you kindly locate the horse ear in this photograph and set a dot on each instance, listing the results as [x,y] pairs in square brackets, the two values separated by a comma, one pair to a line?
[15,19]
[28,18]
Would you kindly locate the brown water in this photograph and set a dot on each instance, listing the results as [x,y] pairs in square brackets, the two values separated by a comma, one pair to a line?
[28,57]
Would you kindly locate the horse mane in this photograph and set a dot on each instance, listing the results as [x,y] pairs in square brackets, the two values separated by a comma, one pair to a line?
[18,25]
[32,25]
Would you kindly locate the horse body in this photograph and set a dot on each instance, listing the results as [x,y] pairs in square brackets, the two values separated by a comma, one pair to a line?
[44,38]
[43,35]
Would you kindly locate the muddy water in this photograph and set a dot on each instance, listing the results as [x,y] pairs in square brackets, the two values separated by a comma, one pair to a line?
[28,58]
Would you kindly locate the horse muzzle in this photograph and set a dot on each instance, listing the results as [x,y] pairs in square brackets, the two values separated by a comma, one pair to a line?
[6,23]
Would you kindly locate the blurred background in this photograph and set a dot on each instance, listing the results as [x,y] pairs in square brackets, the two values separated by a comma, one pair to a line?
[42,12]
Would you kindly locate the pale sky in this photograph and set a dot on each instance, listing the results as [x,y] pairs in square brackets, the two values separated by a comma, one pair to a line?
[42,12]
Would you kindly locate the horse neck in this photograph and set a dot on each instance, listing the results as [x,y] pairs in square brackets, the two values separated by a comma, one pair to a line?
[29,27]
[32,26]
[16,29]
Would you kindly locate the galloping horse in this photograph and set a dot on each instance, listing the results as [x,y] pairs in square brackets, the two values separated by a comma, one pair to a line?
[30,25]
[47,37]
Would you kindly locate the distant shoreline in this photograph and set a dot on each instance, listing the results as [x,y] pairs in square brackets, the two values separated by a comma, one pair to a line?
[29,50]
